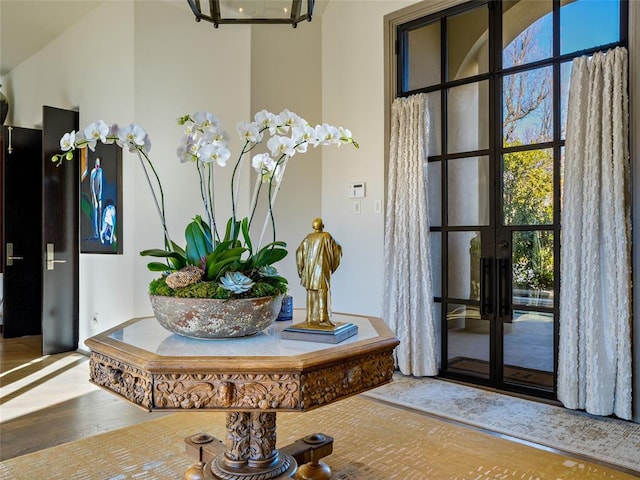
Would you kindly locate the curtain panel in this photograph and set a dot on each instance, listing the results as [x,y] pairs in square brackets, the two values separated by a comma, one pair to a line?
[408,297]
[594,358]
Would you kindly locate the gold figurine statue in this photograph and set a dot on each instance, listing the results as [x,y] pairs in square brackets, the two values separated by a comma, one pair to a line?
[317,257]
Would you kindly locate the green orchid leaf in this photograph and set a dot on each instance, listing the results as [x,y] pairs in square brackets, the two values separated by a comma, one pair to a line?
[277,243]
[222,247]
[235,252]
[206,231]
[158,267]
[269,256]
[178,249]
[277,278]
[198,246]
[232,231]
[217,269]
[157,252]
[246,235]
[176,260]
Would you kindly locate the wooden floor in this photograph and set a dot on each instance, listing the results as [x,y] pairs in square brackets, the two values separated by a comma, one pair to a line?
[82,416]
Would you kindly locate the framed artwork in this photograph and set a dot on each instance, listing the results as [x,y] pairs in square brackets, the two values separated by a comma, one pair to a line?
[101,199]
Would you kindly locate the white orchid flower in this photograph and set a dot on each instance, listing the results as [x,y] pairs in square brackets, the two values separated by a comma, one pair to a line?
[191,144]
[258,160]
[249,131]
[113,134]
[290,119]
[214,153]
[187,149]
[302,147]
[67,142]
[345,136]
[266,167]
[195,136]
[132,136]
[269,120]
[206,120]
[327,134]
[80,138]
[279,145]
[183,153]
[218,137]
[95,132]
[146,147]
[303,136]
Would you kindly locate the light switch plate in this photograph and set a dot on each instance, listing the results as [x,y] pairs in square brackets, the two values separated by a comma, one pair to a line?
[357,190]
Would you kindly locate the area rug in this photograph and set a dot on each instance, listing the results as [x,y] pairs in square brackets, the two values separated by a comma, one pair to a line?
[373,441]
[605,439]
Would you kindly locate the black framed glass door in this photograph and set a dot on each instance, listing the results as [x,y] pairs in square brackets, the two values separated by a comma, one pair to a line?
[496,76]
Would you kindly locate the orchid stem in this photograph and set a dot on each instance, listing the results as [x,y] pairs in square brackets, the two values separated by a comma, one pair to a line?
[235,191]
[272,200]
[160,210]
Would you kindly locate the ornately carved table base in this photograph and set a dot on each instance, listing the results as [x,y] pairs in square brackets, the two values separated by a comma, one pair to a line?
[250,452]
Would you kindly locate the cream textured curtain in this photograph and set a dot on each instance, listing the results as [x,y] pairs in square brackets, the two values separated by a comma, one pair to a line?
[408,295]
[594,362]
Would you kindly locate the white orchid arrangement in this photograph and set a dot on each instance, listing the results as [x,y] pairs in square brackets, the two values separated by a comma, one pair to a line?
[226,263]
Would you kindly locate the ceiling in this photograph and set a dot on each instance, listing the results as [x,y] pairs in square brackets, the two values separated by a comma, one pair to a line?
[28,25]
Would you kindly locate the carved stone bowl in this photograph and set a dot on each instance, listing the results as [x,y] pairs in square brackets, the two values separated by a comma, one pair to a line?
[213,318]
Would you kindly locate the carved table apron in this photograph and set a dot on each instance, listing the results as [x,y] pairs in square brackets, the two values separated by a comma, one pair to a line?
[250,378]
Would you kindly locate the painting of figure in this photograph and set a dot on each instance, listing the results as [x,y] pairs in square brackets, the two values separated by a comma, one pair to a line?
[101,199]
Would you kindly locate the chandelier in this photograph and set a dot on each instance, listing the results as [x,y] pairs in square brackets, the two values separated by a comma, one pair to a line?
[253,11]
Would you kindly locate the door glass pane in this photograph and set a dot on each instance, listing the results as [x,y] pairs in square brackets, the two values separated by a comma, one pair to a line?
[436,263]
[468,341]
[529,350]
[562,160]
[434,193]
[434,107]
[527,187]
[527,107]
[468,43]
[600,18]
[437,318]
[464,265]
[422,67]
[532,261]
[533,43]
[565,81]
[468,117]
[468,191]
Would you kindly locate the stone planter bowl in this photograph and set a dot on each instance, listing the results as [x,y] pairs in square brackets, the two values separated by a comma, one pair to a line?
[213,318]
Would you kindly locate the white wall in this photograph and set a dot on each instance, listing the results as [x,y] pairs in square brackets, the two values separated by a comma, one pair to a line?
[353,96]
[291,79]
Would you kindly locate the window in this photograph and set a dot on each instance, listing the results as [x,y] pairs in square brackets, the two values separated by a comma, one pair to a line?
[497,76]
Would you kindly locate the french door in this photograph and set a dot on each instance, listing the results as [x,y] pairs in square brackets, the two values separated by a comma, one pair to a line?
[496,75]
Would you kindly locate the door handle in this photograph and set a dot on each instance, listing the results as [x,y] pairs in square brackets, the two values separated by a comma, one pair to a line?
[51,261]
[486,287]
[504,281]
[10,256]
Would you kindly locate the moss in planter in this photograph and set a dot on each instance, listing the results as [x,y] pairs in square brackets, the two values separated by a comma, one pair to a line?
[267,288]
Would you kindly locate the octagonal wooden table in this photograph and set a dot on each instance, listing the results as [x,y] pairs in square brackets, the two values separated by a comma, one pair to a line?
[251,378]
